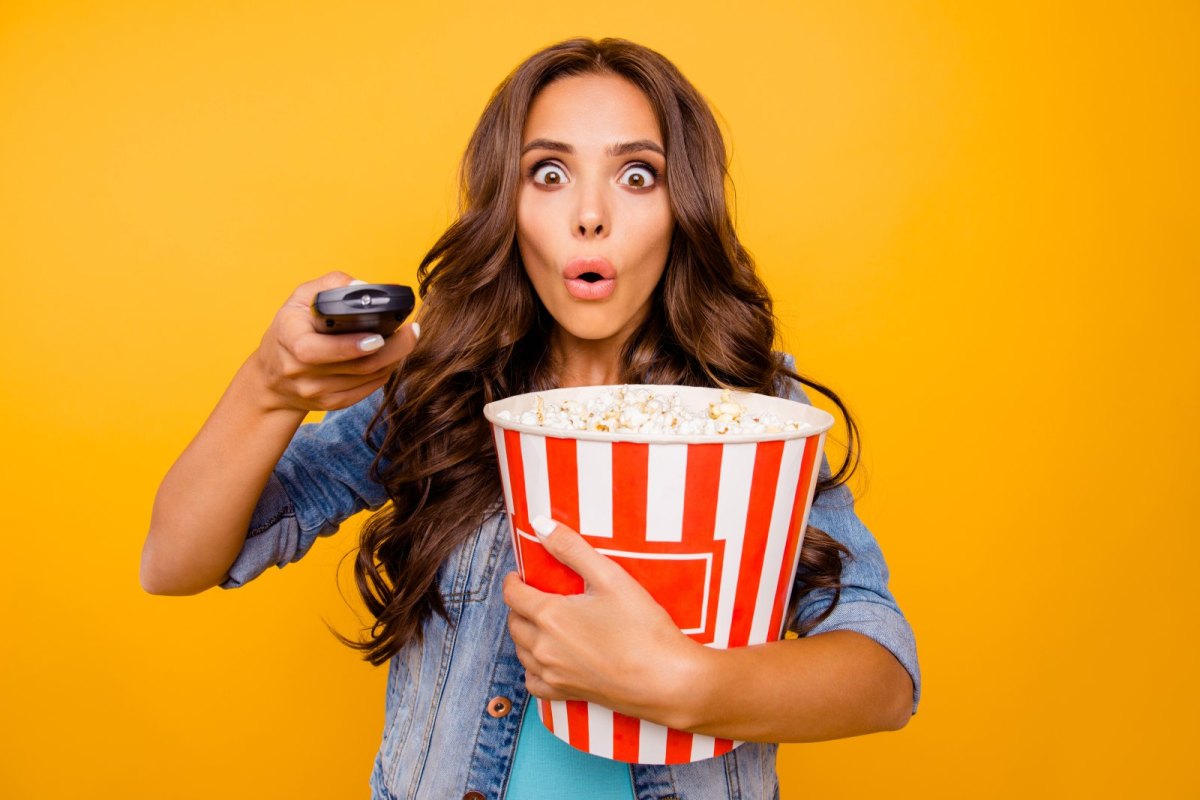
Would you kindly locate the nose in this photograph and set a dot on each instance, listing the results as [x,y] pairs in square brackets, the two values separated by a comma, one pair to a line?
[592,215]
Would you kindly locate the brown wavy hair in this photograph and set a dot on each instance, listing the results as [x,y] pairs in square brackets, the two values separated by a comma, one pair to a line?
[486,336]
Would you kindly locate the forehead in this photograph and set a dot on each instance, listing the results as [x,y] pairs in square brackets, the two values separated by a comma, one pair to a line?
[586,109]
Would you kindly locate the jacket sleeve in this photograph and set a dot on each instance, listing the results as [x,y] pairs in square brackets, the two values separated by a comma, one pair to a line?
[322,479]
[866,604]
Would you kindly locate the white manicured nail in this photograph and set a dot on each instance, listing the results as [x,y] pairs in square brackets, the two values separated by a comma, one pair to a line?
[356,282]
[371,343]
[416,326]
[543,526]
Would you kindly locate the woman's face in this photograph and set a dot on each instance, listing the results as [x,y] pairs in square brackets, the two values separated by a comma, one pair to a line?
[593,221]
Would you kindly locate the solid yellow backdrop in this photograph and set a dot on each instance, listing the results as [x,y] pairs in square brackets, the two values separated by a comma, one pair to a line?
[979,224]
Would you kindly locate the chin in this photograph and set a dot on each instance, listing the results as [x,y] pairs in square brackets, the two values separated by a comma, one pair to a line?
[591,334]
[599,325]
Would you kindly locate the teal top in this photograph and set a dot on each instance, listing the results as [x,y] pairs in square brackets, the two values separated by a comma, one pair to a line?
[546,766]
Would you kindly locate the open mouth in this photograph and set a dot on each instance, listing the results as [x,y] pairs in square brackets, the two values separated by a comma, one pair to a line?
[589,269]
[590,278]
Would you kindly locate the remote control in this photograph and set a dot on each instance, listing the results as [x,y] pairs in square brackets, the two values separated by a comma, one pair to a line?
[363,307]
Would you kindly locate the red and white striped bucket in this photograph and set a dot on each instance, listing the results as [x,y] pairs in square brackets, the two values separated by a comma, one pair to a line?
[710,525]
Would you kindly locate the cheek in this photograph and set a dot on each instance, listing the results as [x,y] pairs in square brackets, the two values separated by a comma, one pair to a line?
[531,234]
[655,220]
[654,231]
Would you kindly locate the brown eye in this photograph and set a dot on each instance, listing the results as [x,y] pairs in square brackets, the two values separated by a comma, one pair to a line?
[551,174]
[641,176]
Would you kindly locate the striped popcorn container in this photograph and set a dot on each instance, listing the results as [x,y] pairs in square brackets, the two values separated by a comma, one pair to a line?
[710,525]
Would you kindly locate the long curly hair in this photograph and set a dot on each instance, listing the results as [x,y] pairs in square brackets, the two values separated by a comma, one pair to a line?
[486,336]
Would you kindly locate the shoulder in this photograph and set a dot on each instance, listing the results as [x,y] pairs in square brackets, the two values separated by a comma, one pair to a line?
[785,358]
[786,386]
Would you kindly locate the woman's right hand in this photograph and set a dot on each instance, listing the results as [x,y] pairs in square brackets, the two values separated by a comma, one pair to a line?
[305,370]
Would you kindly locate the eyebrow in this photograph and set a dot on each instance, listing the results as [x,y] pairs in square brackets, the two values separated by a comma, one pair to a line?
[618,149]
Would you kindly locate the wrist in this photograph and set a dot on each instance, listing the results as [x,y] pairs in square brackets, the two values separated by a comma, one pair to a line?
[253,383]
[689,686]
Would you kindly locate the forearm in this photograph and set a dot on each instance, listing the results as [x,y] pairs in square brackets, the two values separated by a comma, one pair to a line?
[826,686]
[205,502]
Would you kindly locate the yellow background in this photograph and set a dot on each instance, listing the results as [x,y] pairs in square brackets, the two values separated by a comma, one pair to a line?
[979,223]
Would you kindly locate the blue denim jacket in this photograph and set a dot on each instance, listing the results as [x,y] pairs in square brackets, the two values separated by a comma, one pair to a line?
[439,741]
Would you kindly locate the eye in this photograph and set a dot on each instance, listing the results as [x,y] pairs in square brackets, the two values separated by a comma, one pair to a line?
[642,176]
[552,174]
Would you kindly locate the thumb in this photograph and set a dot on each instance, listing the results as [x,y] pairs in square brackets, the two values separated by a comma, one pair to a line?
[305,292]
[573,550]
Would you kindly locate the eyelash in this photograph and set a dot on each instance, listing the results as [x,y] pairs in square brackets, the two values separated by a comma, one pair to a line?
[642,164]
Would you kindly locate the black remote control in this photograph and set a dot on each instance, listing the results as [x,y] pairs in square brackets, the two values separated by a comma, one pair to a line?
[362,307]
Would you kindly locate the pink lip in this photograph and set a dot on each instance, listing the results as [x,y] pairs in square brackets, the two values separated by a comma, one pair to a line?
[583,290]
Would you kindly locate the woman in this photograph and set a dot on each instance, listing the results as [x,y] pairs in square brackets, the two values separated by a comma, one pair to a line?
[593,246]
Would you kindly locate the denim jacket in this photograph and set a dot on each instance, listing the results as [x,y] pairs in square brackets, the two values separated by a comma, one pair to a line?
[440,736]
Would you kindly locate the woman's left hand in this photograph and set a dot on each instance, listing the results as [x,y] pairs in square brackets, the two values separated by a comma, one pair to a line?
[613,644]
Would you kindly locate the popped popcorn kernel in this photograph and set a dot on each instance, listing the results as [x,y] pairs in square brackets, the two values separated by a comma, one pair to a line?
[628,410]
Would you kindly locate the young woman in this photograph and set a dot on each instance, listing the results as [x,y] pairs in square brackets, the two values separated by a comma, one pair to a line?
[593,246]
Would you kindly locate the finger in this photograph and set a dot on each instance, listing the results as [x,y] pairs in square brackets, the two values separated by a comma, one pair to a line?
[531,664]
[388,358]
[571,549]
[542,690]
[343,352]
[306,292]
[523,632]
[395,349]
[324,349]
[296,321]
[521,597]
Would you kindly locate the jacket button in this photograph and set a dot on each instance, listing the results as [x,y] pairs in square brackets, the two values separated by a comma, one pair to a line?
[499,707]
[473,796]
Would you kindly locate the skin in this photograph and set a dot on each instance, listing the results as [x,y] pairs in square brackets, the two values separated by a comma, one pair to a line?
[591,203]
[613,644]
[204,505]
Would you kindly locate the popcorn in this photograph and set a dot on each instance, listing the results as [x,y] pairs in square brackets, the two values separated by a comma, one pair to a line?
[629,410]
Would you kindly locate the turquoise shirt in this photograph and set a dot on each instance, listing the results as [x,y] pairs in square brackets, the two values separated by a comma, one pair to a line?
[546,766]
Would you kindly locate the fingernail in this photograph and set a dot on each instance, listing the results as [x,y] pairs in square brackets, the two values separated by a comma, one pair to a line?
[416,326]
[371,343]
[542,526]
[356,282]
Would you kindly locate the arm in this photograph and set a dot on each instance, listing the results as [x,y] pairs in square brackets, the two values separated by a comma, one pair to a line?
[321,480]
[204,505]
[856,672]
[587,646]
[228,481]
[830,686]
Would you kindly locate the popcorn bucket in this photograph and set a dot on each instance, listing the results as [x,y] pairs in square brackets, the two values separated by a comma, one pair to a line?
[711,526]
